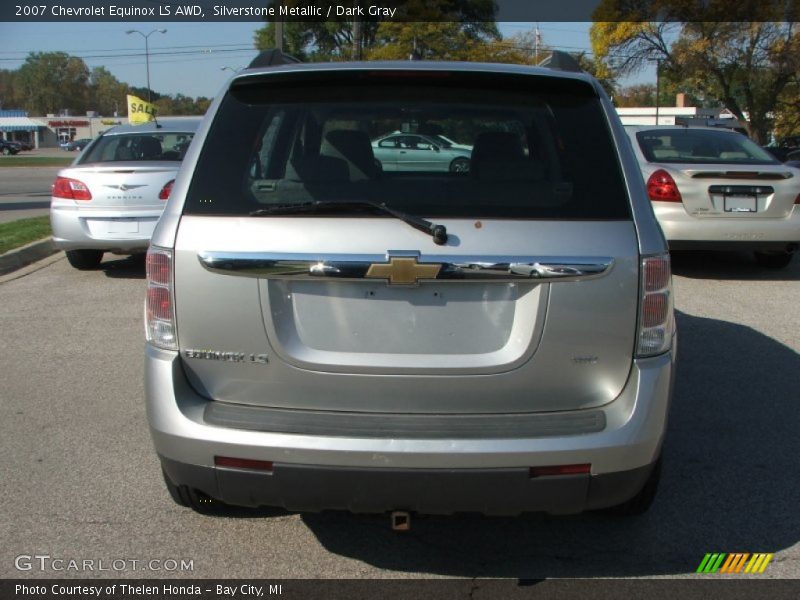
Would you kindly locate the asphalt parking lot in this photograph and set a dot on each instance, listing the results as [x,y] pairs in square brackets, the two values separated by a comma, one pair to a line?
[81,480]
[25,191]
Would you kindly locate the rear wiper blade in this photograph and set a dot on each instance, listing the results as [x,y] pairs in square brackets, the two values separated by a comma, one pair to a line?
[437,232]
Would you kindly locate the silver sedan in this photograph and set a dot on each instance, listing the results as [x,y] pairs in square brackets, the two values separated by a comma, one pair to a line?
[111,197]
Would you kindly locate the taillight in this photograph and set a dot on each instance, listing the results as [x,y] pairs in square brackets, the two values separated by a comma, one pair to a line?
[661,187]
[797,200]
[71,189]
[655,316]
[159,307]
[166,190]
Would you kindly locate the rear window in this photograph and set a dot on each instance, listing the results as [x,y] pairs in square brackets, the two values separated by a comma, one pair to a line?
[125,147]
[436,145]
[701,146]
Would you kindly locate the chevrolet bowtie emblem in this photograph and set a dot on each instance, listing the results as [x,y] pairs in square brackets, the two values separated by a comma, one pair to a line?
[403,271]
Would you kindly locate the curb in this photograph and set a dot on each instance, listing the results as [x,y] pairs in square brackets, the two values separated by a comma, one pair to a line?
[21,257]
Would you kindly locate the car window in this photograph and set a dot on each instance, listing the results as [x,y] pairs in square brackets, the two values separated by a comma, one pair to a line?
[522,149]
[170,146]
[700,146]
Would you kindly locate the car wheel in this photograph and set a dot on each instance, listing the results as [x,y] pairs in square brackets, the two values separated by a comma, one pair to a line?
[459,165]
[642,501]
[84,259]
[183,495]
[6,151]
[773,260]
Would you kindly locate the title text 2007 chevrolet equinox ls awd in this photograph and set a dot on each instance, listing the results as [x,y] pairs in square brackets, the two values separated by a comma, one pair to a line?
[325,332]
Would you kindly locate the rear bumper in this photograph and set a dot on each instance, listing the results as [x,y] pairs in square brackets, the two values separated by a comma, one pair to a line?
[430,491]
[77,228]
[684,231]
[312,472]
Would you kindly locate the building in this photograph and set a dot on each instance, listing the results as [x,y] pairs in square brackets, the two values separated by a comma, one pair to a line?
[62,129]
[50,131]
[680,114]
[16,126]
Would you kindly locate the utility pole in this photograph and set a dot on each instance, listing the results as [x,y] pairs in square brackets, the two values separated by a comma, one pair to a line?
[357,39]
[658,86]
[279,35]
[146,52]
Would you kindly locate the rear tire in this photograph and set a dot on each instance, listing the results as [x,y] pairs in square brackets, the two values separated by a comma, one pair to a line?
[6,151]
[459,165]
[85,260]
[642,501]
[773,260]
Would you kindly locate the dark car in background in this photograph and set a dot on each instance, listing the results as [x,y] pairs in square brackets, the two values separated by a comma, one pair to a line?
[8,148]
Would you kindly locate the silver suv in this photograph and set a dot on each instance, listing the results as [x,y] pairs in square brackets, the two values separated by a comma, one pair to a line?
[325,334]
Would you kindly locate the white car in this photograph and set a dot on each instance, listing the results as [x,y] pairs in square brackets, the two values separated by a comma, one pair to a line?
[111,197]
[714,188]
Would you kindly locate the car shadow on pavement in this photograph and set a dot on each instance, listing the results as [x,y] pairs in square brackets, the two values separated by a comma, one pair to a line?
[127,267]
[730,266]
[729,485]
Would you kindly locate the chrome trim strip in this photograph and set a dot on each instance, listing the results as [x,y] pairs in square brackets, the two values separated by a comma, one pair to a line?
[349,267]
[281,265]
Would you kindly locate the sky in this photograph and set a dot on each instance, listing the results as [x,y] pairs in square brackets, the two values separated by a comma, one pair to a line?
[190,57]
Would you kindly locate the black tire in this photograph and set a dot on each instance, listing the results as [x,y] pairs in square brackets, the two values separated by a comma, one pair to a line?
[188,497]
[642,501]
[459,165]
[85,260]
[773,260]
[6,151]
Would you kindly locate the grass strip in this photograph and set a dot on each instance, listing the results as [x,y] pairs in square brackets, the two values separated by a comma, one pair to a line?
[35,161]
[23,231]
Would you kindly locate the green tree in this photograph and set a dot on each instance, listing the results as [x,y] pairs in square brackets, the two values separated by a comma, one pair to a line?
[9,98]
[106,93]
[51,81]
[333,39]
[745,66]
[437,41]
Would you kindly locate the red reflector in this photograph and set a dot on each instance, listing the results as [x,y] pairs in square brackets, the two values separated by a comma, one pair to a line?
[661,187]
[560,470]
[243,463]
[71,189]
[166,190]
[158,268]
[654,311]
[158,304]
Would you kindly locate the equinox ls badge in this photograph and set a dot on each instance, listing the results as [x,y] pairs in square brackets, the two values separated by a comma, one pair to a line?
[403,271]
[236,357]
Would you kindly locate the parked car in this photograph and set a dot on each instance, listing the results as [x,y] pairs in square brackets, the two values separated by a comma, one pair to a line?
[9,148]
[77,144]
[716,189]
[111,197]
[414,152]
[322,334]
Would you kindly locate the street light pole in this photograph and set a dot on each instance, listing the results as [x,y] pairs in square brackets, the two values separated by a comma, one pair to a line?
[146,52]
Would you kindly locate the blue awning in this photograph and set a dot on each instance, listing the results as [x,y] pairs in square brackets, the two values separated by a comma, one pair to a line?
[19,124]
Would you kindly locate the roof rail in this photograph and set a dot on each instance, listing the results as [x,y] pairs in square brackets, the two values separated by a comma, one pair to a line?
[272,58]
[561,61]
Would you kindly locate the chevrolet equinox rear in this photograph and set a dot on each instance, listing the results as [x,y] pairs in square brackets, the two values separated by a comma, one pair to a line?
[327,330]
